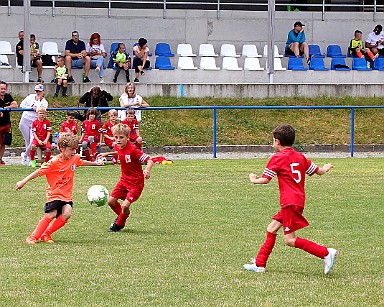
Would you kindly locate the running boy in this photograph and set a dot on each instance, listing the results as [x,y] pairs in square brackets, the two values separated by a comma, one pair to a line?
[41,131]
[60,172]
[290,168]
[91,131]
[60,77]
[70,124]
[131,183]
[133,125]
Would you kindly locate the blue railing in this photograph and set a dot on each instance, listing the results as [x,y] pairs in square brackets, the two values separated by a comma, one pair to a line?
[215,108]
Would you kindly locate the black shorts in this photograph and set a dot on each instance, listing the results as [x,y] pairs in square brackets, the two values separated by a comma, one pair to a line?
[289,52]
[139,62]
[58,205]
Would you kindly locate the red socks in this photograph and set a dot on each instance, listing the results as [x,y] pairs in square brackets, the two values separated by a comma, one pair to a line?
[266,250]
[311,247]
[32,154]
[41,227]
[88,156]
[56,225]
[121,219]
[116,208]
[47,156]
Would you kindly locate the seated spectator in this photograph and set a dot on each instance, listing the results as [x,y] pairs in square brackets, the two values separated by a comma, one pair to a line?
[129,99]
[76,56]
[96,97]
[35,54]
[296,44]
[356,48]
[96,51]
[61,74]
[122,61]
[375,41]
[140,61]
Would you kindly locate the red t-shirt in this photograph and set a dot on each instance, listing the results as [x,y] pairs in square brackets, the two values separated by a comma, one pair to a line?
[92,128]
[134,124]
[290,168]
[41,128]
[131,159]
[69,127]
[108,128]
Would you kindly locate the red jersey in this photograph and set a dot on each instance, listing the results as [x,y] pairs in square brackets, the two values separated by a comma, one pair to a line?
[41,128]
[108,128]
[290,168]
[69,127]
[131,159]
[92,128]
[134,124]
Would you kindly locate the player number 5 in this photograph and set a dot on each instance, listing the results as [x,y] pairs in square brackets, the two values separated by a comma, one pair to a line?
[294,171]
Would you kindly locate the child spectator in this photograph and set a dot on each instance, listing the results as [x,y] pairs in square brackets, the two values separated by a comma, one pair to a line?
[70,125]
[290,168]
[41,130]
[60,76]
[356,48]
[133,125]
[109,139]
[131,182]
[60,173]
[140,61]
[91,134]
[122,61]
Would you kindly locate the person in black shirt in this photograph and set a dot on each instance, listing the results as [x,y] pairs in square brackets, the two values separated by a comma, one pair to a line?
[76,57]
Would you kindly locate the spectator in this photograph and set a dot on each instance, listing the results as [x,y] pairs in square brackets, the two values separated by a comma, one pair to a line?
[133,125]
[6,102]
[296,44]
[140,61]
[35,54]
[61,74]
[91,134]
[96,97]
[375,41]
[356,48]
[76,56]
[96,51]
[129,99]
[70,124]
[32,101]
[122,61]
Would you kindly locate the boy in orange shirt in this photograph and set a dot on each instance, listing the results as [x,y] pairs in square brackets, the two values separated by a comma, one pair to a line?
[60,172]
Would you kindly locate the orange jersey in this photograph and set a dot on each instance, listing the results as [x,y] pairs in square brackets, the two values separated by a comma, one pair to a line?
[60,174]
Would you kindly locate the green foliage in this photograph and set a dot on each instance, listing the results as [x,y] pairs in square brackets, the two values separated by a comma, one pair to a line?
[188,236]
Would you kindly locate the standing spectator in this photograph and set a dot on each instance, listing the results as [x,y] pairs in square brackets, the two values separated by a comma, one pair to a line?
[61,75]
[129,99]
[122,61]
[296,44]
[35,54]
[96,97]
[32,101]
[6,102]
[76,56]
[375,41]
[96,51]
[140,61]
[356,48]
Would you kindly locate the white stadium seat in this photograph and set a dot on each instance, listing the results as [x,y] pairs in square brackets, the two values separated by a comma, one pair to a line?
[208,63]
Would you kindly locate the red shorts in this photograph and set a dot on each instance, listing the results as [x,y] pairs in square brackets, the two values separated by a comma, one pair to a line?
[46,146]
[128,192]
[292,218]
[3,129]
[109,143]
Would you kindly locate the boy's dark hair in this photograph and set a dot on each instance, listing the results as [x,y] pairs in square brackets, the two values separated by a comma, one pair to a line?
[142,41]
[91,111]
[3,82]
[379,28]
[118,46]
[72,113]
[358,32]
[285,134]
[32,36]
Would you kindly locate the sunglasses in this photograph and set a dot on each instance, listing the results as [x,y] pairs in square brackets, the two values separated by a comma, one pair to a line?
[75,35]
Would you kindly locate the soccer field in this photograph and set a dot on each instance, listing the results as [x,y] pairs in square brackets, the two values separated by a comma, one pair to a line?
[195,225]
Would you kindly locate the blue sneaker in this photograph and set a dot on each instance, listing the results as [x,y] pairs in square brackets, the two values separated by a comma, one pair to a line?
[329,260]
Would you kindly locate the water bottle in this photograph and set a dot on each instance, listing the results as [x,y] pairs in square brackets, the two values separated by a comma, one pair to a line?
[56,138]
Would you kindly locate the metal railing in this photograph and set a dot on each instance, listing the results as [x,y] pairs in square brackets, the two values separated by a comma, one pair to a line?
[215,108]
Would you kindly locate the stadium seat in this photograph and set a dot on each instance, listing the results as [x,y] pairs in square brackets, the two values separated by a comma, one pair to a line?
[112,52]
[208,63]
[277,64]
[230,63]
[206,50]
[50,48]
[163,49]
[339,64]
[360,64]
[276,52]
[317,64]
[185,50]
[163,63]
[250,51]
[252,64]
[334,51]
[4,63]
[314,51]
[228,50]
[185,63]
[5,48]
[379,64]
[296,64]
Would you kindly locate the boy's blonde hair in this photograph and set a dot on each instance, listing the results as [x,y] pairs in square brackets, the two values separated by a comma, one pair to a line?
[112,112]
[67,139]
[121,129]
[41,109]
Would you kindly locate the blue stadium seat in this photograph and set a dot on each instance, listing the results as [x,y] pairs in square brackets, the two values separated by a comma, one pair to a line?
[296,64]
[314,51]
[163,63]
[360,64]
[339,64]
[379,64]
[317,64]
[163,49]
[334,51]
[112,53]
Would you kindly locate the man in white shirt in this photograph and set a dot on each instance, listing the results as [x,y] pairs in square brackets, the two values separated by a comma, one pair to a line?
[375,41]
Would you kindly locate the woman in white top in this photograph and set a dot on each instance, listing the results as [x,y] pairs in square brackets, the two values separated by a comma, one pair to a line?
[140,61]
[129,99]
[96,51]
[32,101]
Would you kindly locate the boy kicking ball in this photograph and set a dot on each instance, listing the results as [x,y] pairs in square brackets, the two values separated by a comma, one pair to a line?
[290,168]
[131,183]
[60,172]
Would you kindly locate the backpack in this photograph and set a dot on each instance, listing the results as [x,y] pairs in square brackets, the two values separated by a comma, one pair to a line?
[47,60]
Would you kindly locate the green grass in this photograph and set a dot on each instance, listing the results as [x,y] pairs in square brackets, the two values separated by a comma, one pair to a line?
[236,127]
[189,234]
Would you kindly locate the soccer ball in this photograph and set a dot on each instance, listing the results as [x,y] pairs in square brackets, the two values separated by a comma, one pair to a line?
[98,195]
[101,159]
